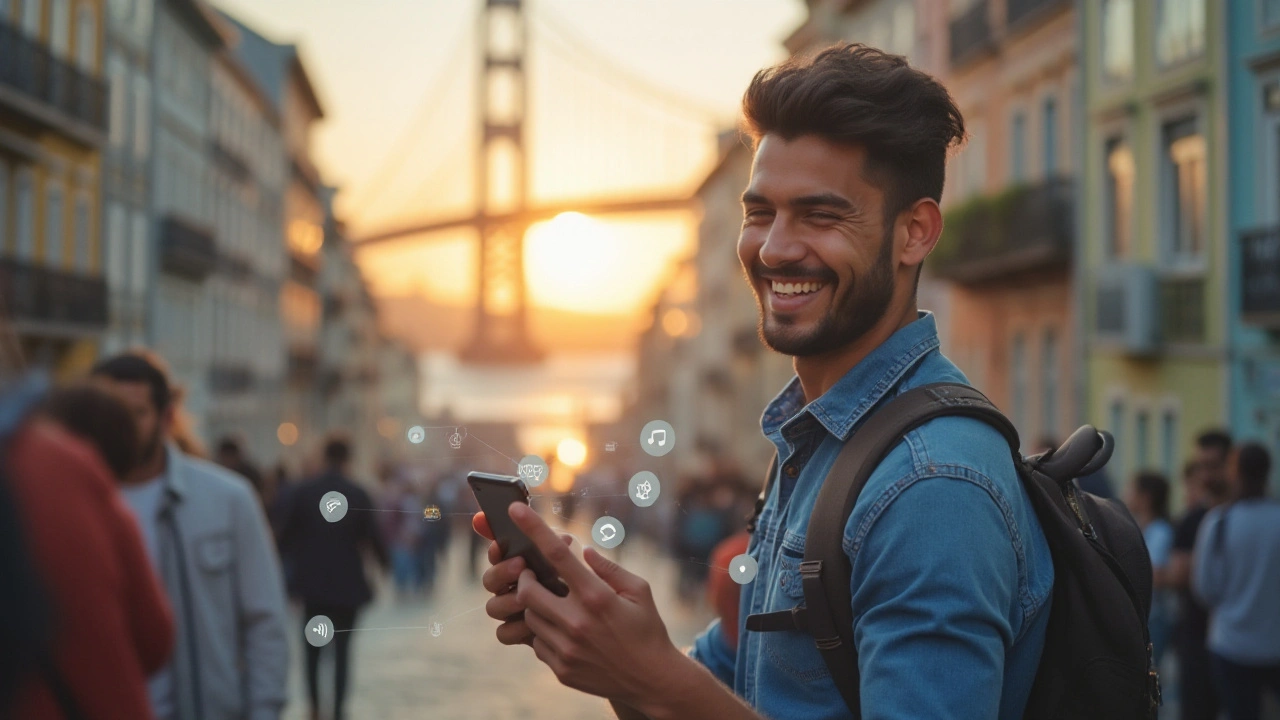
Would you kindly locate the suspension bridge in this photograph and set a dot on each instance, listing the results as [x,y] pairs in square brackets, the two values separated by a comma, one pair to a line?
[601,107]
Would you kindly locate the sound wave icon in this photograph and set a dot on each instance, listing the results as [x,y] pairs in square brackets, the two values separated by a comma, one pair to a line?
[321,630]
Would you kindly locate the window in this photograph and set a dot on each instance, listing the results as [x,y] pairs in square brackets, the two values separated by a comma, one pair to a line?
[1017,148]
[1179,30]
[1184,193]
[1119,200]
[1142,428]
[1018,371]
[31,18]
[24,200]
[83,260]
[53,213]
[1117,39]
[141,115]
[1169,442]
[1049,136]
[1117,432]
[86,37]
[117,80]
[139,253]
[1050,382]
[60,28]
[117,250]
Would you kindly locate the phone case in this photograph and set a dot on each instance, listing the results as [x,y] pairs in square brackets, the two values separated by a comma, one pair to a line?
[495,493]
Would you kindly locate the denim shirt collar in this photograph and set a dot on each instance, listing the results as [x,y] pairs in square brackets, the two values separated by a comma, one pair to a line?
[840,408]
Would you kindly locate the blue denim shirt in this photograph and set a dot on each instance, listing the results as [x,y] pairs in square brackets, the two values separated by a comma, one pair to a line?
[952,576]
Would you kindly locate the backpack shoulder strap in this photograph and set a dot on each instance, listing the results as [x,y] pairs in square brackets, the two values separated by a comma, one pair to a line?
[826,570]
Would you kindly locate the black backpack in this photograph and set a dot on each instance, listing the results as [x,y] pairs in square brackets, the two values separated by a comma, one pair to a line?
[1097,662]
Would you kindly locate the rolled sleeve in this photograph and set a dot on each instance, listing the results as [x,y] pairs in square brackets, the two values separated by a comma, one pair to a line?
[262,612]
[933,584]
[713,652]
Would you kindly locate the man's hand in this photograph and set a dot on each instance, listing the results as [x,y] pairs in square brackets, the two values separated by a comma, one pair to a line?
[500,579]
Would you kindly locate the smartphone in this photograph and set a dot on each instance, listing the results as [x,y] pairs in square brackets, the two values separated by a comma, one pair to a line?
[495,493]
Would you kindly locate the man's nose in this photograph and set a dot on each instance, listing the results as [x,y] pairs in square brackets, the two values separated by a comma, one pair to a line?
[781,247]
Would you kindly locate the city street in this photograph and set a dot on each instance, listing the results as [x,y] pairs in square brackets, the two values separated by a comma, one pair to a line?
[464,673]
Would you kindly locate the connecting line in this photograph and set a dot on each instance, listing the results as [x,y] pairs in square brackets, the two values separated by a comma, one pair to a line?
[416,627]
[477,439]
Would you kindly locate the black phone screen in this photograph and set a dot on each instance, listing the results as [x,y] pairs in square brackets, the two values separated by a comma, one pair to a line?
[495,493]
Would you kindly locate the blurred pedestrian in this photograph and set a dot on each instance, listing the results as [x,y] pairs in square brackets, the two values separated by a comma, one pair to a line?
[100,419]
[400,525]
[208,537]
[231,456]
[1197,696]
[1148,501]
[83,619]
[328,564]
[1236,572]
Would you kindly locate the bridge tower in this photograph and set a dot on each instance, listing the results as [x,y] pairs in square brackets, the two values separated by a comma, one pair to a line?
[501,327]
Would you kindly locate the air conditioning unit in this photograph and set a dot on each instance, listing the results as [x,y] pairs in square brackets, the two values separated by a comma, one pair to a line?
[1126,315]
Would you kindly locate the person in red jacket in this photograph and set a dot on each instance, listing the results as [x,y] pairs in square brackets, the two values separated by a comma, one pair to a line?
[112,624]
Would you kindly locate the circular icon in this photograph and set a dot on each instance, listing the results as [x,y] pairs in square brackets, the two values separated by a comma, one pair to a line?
[333,506]
[436,627]
[417,434]
[644,488]
[742,569]
[608,532]
[319,630]
[532,470]
[657,438]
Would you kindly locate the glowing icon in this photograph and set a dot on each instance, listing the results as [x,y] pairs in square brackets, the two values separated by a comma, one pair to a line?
[532,469]
[608,532]
[610,446]
[557,507]
[644,488]
[657,438]
[417,434]
[431,512]
[331,504]
[436,629]
[661,436]
[319,631]
[456,438]
[742,569]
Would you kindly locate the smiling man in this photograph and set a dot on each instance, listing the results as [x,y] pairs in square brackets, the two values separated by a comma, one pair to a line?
[951,574]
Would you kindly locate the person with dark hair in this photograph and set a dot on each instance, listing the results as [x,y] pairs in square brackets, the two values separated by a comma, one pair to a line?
[1148,501]
[326,561]
[230,455]
[1204,487]
[208,538]
[83,619]
[1236,573]
[951,574]
[101,419]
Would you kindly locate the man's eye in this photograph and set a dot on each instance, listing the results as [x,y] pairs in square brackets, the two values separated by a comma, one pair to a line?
[758,214]
[823,216]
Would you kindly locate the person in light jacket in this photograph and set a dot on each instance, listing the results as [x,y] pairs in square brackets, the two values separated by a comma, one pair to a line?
[206,534]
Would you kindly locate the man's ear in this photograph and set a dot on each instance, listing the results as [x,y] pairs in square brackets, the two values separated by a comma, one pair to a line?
[923,226]
[168,418]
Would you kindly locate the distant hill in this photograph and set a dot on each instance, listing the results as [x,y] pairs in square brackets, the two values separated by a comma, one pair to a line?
[426,325]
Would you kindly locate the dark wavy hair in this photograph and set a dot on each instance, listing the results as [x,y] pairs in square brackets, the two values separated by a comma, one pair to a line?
[853,94]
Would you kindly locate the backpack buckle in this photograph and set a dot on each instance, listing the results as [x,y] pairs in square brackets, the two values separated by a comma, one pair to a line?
[811,568]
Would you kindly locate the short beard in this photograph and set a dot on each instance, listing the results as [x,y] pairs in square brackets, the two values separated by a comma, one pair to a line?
[153,446]
[854,312]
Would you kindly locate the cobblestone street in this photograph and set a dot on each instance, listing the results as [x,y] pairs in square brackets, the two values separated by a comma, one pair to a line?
[464,673]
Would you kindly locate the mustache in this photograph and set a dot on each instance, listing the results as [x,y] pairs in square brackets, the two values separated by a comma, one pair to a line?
[792,272]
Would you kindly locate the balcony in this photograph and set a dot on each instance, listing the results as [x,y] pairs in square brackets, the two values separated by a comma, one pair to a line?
[1018,10]
[1260,277]
[186,250]
[49,90]
[1025,228]
[73,304]
[971,34]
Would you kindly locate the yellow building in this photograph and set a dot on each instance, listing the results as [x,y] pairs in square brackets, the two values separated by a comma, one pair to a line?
[53,118]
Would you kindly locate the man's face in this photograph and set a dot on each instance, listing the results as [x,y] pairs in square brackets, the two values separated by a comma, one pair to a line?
[1212,462]
[815,246]
[152,426]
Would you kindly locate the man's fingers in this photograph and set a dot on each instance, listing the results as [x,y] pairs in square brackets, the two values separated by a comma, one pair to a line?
[500,577]
[553,547]
[504,607]
[495,553]
[548,656]
[614,574]
[515,632]
[480,524]
[543,628]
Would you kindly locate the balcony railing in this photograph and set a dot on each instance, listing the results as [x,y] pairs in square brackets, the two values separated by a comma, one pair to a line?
[1182,310]
[970,34]
[1018,10]
[32,293]
[1260,277]
[1023,229]
[30,68]
[186,250]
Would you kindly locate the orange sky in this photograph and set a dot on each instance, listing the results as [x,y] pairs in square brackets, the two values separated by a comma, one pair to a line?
[396,79]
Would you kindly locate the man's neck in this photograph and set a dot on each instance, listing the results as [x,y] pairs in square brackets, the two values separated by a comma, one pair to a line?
[818,373]
[149,470]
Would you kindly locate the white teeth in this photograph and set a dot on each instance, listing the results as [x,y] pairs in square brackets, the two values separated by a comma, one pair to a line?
[796,288]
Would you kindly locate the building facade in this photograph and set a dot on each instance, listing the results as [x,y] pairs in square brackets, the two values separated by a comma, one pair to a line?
[1008,207]
[53,123]
[1154,249]
[1253,235]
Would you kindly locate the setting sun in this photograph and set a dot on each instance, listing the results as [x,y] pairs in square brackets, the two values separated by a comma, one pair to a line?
[571,452]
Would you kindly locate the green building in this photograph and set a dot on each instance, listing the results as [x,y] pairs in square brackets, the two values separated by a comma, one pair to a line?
[1152,262]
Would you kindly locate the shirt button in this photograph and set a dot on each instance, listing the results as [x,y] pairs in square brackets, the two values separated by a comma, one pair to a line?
[791,471]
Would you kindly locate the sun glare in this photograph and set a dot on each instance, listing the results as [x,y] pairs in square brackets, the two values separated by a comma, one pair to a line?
[571,452]
[574,262]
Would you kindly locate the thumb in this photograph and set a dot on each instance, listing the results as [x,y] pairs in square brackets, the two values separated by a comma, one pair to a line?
[616,576]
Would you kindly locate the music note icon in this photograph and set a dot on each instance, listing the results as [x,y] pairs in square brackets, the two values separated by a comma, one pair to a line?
[657,438]
[661,440]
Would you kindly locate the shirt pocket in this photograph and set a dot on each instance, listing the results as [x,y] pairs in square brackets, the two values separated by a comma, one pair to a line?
[791,651]
[213,553]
